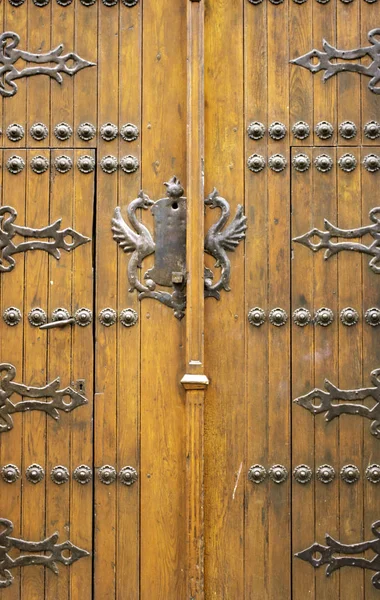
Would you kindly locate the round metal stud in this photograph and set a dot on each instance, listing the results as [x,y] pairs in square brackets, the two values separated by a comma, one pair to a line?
[278,317]
[60,314]
[39,164]
[372,129]
[371,162]
[301,317]
[87,2]
[109,131]
[128,317]
[129,164]
[299,1]
[349,316]
[324,130]
[86,164]
[302,474]
[37,317]
[256,163]
[39,132]
[278,473]
[108,317]
[347,130]
[276,1]
[12,316]
[350,473]
[59,475]
[256,130]
[323,1]
[64,2]
[323,163]
[277,130]
[10,473]
[372,316]
[109,164]
[130,3]
[301,130]
[34,473]
[63,131]
[372,473]
[110,2]
[277,162]
[325,473]
[257,473]
[256,316]
[324,316]
[83,317]
[128,476]
[82,474]
[86,131]
[63,163]
[15,164]
[107,474]
[41,3]
[301,162]
[129,132]
[15,132]
[347,162]
[16,2]
[370,1]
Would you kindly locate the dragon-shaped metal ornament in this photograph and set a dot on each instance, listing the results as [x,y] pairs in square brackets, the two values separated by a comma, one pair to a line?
[8,387]
[46,553]
[9,231]
[58,63]
[169,246]
[328,61]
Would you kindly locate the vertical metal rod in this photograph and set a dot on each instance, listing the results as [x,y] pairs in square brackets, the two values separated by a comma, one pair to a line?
[195,381]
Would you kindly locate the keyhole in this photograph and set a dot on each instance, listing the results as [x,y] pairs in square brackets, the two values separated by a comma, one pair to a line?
[175,205]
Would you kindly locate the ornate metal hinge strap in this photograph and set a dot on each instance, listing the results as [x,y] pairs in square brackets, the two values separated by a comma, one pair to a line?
[9,56]
[372,249]
[317,401]
[170,245]
[318,555]
[327,61]
[8,230]
[9,387]
[65,553]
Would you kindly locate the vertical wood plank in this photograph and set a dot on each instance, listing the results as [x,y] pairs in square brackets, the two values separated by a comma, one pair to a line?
[14,108]
[225,445]
[350,376]
[256,291]
[163,525]
[370,102]
[35,373]
[128,342]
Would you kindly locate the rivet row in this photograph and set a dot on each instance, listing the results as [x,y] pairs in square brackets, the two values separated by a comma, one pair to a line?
[324,163]
[323,316]
[60,474]
[303,474]
[301,130]
[42,3]
[86,132]
[63,164]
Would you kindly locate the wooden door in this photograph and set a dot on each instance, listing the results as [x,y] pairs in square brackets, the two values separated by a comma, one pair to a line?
[211,422]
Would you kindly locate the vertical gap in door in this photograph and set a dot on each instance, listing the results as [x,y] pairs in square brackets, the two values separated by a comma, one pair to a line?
[291,368]
[244,305]
[94,322]
[139,451]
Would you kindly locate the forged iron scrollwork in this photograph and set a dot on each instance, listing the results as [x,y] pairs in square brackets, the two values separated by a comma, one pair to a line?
[69,63]
[46,553]
[318,401]
[170,245]
[318,555]
[8,230]
[57,403]
[372,249]
[328,60]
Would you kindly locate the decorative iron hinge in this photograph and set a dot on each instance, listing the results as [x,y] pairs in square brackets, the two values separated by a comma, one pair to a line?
[372,249]
[170,245]
[9,387]
[318,555]
[317,401]
[65,553]
[8,230]
[327,61]
[9,56]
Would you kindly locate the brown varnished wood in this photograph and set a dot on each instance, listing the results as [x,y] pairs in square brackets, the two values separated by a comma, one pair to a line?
[225,320]
[128,342]
[14,111]
[256,294]
[163,461]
